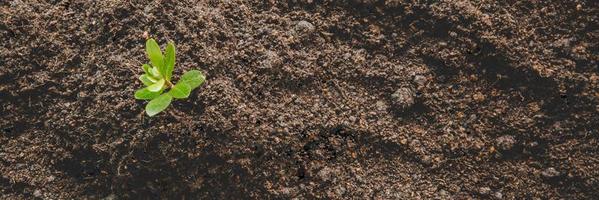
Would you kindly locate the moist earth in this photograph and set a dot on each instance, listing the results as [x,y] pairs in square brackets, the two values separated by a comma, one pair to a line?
[306,99]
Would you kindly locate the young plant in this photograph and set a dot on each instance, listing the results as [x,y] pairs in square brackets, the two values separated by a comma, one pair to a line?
[157,79]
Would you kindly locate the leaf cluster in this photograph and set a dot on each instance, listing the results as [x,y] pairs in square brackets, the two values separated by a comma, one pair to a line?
[157,79]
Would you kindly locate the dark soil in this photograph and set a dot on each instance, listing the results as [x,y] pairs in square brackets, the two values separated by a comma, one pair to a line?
[304,99]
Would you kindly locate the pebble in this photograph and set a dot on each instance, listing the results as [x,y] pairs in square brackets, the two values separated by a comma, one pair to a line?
[325,173]
[346,56]
[340,190]
[533,144]
[484,190]
[550,173]
[352,119]
[403,98]
[505,142]
[426,160]
[37,193]
[381,106]
[304,27]
[443,193]
[50,178]
[420,80]
[286,190]
[498,195]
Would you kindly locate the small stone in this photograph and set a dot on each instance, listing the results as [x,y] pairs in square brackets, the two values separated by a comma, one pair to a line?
[346,56]
[533,144]
[81,94]
[498,195]
[479,97]
[325,173]
[37,193]
[484,190]
[352,119]
[50,178]
[505,142]
[381,106]
[550,173]
[304,27]
[403,98]
[426,160]
[286,190]
[340,190]
[403,141]
[420,80]
[443,193]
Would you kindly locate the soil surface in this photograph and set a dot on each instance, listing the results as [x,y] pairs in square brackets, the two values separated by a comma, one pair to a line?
[306,99]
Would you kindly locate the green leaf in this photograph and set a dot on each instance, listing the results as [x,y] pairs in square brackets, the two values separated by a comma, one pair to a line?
[169,60]
[180,91]
[193,78]
[146,94]
[146,68]
[158,104]
[156,86]
[146,80]
[154,80]
[155,55]
[154,72]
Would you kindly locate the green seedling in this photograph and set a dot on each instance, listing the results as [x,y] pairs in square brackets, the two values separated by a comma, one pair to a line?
[157,79]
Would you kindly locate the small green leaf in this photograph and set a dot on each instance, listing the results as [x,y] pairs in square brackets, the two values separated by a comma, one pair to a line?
[146,80]
[158,104]
[169,60]
[146,68]
[155,55]
[154,80]
[156,86]
[180,91]
[146,94]
[193,78]
[154,72]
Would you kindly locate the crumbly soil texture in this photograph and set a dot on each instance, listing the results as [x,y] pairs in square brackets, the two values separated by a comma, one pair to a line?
[304,99]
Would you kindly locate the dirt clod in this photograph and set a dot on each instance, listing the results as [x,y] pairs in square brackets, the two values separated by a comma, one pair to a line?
[505,142]
[550,172]
[498,195]
[304,27]
[420,80]
[403,98]
[484,190]
[37,193]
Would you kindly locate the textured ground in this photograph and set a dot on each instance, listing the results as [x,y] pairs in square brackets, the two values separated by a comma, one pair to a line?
[309,99]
